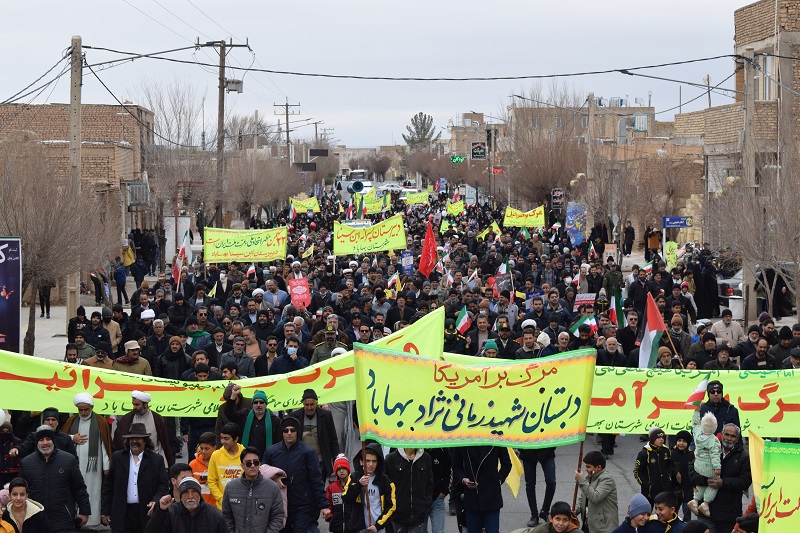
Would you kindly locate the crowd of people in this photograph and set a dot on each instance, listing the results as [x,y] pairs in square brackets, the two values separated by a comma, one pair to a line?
[250,469]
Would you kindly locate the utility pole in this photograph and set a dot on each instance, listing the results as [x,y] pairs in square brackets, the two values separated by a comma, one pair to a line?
[316,132]
[327,133]
[255,124]
[76,80]
[749,165]
[223,50]
[286,107]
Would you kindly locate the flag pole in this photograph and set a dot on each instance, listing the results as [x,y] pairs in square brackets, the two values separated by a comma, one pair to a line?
[574,517]
[366,492]
[674,350]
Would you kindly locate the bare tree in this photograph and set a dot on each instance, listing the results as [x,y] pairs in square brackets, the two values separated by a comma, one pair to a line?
[59,227]
[254,181]
[244,131]
[547,146]
[379,164]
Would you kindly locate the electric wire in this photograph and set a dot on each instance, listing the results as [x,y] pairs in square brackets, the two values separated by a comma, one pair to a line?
[34,82]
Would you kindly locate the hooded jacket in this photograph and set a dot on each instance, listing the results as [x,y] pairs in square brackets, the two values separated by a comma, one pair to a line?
[176,519]
[253,506]
[353,493]
[413,481]
[35,517]
[654,470]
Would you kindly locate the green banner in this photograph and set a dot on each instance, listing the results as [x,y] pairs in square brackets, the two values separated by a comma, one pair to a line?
[520,404]
[671,254]
[246,245]
[780,505]
[416,198]
[387,235]
[455,208]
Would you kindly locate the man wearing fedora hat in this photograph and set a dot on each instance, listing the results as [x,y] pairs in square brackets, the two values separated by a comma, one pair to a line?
[135,482]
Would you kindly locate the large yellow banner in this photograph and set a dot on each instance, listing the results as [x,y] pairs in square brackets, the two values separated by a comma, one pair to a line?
[417,198]
[387,235]
[377,205]
[32,383]
[520,404]
[246,245]
[455,208]
[493,227]
[514,218]
[302,206]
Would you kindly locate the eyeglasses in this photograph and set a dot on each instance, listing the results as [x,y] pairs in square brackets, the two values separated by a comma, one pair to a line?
[202,314]
[226,323]
[250,463]
[364,330]
[715,391]
[259,402]
[272,344]
[633,320]
[290,430]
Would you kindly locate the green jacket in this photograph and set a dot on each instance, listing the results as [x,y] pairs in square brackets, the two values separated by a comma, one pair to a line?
[599,494]
[612,281]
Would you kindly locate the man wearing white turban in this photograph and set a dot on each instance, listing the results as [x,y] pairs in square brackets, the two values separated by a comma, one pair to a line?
[154,422]
[92,436]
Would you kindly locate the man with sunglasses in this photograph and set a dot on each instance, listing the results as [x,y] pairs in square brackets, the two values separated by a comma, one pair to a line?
[252,502]
[306,490]
[725,412]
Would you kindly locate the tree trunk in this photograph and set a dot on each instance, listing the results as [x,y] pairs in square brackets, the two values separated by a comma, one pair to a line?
[30,335]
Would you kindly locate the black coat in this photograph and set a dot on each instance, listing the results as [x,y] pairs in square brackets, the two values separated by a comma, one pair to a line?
[176,519]
[736,479]
[723,411]
[442,468]
[152,484]
[58,485]
[61,440]
[326,433]
[479,463]
[413,481]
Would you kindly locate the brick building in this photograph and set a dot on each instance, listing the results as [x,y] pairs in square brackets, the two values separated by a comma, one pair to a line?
[114,150]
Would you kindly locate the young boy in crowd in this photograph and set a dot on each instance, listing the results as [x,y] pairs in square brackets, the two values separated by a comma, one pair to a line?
[665,519]
[369,492]
[559,520]
[597,502]
[207,444]
[338,516]
[683,457]
[654,469]
[638,515]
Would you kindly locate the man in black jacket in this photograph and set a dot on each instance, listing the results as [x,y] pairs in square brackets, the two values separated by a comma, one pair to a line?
[138,464]
[722,409]
[410,469]
[54,480]
[61,440]
[317,430]
[734,479]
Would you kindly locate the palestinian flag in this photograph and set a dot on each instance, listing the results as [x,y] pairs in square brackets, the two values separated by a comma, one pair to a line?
[652,329]
[616,314]
[585,319]
[462,321]
[699,394]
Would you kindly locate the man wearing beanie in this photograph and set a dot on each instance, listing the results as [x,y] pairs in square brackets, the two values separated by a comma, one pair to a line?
[260,427]
[318,431]
[706,351]
[782,350]
[187,517]
[95,332]
[725,412]
[727,330]
[306,493]
[54,480]
[101,357]
[77,323]
[654,469]
[638,515]
[61,440]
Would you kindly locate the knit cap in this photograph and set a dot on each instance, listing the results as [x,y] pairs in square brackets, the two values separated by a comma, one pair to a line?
[341,462]
[654,433]
[639,505]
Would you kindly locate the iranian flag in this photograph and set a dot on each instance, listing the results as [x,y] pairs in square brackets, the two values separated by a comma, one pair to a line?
[556,226]
[616,314]
[648,268]
[393,280]
[292,211]
[251,270]
[525,233]
[462,321]
[449,279]
[592,251]
[185,252]
[699,394]
[652,329]
[585,319]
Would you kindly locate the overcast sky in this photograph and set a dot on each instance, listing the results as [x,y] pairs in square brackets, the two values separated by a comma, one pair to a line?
[464,38]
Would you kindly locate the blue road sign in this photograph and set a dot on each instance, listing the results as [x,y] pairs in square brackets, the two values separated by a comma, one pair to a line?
[677,222]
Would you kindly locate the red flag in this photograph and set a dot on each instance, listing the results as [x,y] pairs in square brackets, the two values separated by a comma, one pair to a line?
[427,260]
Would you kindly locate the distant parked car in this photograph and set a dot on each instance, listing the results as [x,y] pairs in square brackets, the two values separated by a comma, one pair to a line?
[727,287]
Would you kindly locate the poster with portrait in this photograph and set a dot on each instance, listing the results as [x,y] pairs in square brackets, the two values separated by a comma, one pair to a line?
[10,293]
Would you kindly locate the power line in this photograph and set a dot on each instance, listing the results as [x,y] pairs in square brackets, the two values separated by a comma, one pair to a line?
[157,21]
[698,96]
[125,107]
[475,78]
[12,98]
